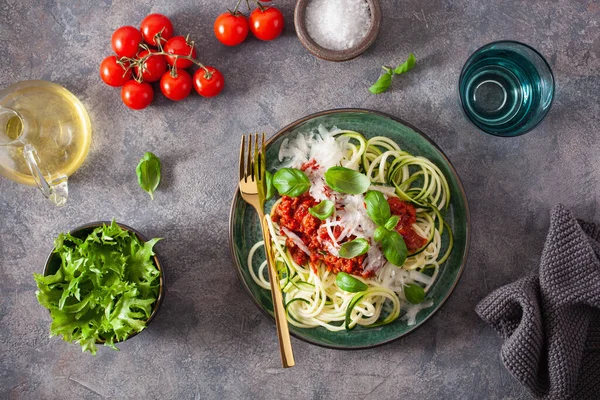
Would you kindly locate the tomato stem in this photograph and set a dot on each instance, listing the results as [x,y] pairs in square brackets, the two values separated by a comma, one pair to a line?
[158,39]
[127,62]
[235,10]
[260,5]
[123,65]
[174,68]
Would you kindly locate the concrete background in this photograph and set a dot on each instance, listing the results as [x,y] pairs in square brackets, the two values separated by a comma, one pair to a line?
[209,340]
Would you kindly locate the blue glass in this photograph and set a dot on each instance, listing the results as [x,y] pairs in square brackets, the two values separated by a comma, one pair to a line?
[506,88]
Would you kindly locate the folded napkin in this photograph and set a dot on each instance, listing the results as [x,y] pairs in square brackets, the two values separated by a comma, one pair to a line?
[550,322]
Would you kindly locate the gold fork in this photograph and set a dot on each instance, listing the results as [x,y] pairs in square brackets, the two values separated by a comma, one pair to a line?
[253,190]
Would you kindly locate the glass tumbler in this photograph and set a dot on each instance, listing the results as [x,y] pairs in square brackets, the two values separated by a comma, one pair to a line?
[506,88]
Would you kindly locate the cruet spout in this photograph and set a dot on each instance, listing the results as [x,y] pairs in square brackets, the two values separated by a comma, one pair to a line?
[55,188]
[13,135]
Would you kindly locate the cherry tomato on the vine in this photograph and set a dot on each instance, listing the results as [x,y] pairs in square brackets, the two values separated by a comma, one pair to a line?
[112,73]
[179,46]
[137,95]
[231,29]
[176,87]
[208,84]
[156,23]
[125,41]
[267,24]
[154,67]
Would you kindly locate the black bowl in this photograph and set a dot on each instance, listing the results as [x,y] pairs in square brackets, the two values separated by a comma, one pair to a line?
[53,263]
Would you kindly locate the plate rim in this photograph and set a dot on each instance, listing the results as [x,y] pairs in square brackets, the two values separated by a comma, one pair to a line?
[237,198]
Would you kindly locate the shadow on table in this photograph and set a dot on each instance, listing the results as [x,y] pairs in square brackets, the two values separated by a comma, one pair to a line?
[204,302]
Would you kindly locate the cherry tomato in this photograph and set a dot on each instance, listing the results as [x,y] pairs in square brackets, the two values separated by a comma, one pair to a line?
[267,24]
[154,67]
[208,86]
[125,41]
[178,87]
[112,73]
[178,45]
[137,95]
[153,24]
[231,29]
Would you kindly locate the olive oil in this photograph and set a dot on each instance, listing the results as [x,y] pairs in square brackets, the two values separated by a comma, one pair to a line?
[49,118]
[14,128]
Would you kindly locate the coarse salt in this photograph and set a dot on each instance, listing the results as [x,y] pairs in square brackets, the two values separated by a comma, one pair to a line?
[338,24]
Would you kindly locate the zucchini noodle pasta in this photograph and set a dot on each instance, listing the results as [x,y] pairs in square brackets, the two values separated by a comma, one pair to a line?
[417,193]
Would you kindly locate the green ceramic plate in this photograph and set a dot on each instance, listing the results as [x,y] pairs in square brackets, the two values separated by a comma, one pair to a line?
[244,227]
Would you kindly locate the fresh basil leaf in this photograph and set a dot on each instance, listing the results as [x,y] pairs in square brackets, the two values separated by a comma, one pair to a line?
[394,248]
[291,182]
[414,293]
[148,173]
[269,183]
[385,80]
[346,180]
[377,207]
[382,84]
[380,233]
[407,65]
[349,283]
[323,210]
[392,222]
[354,248]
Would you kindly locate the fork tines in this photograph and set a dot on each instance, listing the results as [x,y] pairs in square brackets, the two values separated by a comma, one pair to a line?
[252,160]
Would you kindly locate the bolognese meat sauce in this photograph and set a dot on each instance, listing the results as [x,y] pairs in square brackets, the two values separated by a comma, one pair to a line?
[292,213]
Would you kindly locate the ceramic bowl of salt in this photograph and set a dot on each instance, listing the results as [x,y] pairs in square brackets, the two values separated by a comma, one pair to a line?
[337,30]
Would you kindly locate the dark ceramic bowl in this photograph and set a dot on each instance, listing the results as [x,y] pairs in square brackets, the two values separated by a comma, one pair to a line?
[336,55]
[245,228]
[53,263]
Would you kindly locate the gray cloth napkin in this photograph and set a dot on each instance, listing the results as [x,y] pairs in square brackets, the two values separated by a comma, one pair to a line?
[550,322]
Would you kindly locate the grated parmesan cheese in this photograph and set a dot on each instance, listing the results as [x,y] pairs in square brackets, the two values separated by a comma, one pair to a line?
[412,310]
[296,239]
[320,146]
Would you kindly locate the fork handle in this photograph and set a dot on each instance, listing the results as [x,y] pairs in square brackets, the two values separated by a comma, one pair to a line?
[283,331]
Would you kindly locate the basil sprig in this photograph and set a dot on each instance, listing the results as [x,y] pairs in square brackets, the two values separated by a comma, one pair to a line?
[291,182]
[349,283]
[385,80]
[323,210]
[392,222]
[346,180]
[354,248]
[148,173]
[406,65]
[380,233]
[383,83]
[392,243]
[414,293]
[394,248]
[378,208]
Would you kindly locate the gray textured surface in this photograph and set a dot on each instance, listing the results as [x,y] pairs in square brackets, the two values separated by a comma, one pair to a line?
[209,340]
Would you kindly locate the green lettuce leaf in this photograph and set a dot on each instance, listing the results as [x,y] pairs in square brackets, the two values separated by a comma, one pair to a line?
[102,289]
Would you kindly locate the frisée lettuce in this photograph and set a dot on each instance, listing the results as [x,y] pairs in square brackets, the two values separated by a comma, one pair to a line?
[104,289]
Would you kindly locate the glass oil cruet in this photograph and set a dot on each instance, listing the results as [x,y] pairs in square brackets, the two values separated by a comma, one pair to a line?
[45,135]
